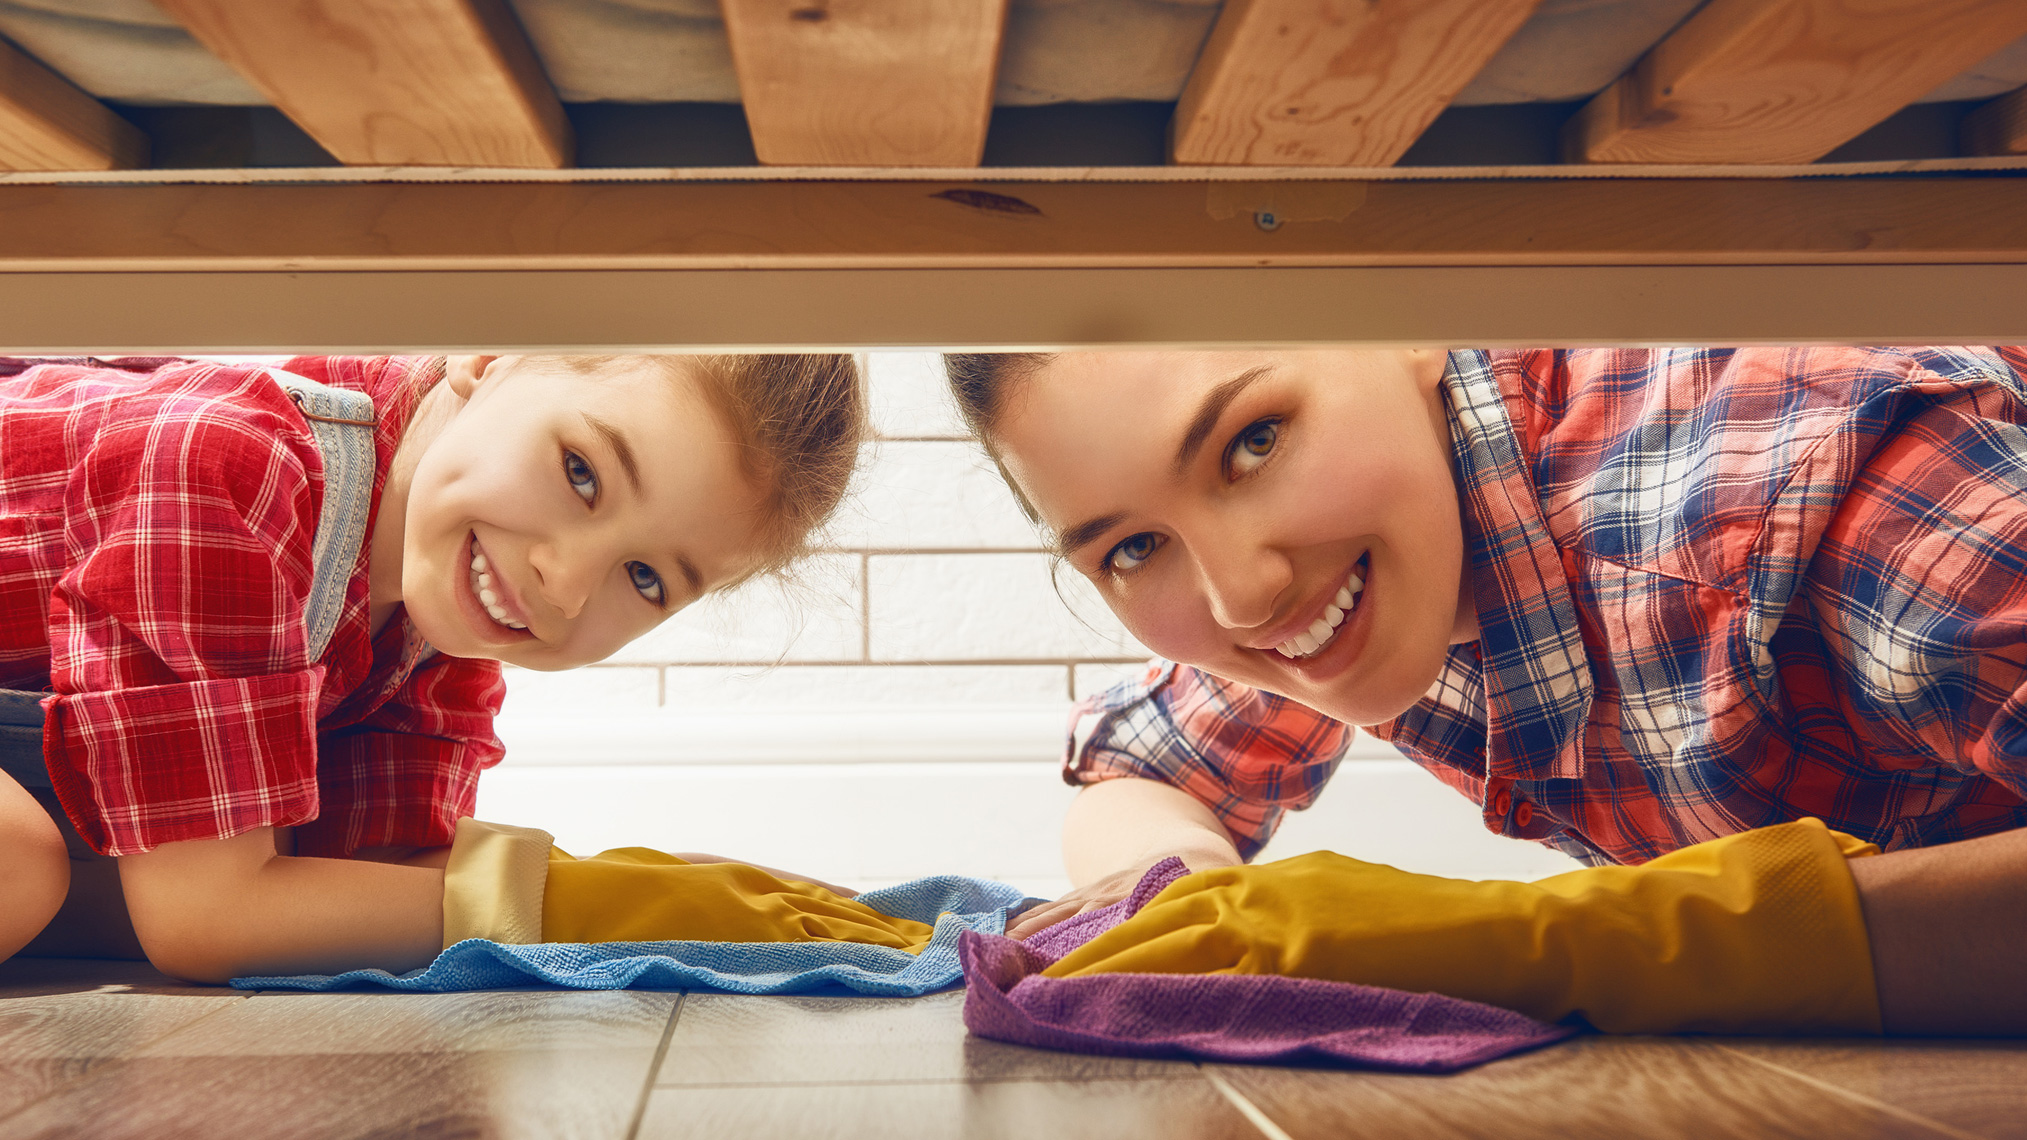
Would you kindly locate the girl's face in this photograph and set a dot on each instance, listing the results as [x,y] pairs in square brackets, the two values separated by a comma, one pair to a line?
[1228,504]
[553,517]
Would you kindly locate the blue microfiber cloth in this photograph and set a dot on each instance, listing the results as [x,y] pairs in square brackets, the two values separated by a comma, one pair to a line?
[953,903]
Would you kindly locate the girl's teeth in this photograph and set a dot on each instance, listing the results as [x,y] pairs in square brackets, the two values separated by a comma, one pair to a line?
[1343,599]
[479,562]
[482,585]
[492,601]
[1319,630]
[1334,615]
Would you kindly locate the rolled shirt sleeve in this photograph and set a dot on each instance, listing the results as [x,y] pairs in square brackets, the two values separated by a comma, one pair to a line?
[183,704]
[1248,756]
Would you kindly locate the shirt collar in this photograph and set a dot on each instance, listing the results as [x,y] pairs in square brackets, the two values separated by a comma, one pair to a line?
[1537,680]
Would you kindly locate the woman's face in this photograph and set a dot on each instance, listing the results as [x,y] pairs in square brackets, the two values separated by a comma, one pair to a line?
[1228,504]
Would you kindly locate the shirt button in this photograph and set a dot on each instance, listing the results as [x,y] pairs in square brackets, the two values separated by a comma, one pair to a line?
[1502,802]
[1524,814]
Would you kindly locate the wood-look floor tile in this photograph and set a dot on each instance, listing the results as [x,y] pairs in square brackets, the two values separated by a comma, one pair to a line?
[1608,1088]
[490,1021]
[571,1095]
[722,1039]
[337,1066]
[1010,1110]
[1978,1087]
[53,1041]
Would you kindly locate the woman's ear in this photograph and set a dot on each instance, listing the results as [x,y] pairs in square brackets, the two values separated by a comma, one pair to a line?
[464,374]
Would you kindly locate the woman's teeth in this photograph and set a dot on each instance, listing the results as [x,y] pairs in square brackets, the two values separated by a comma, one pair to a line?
[1324,629]
[482,585]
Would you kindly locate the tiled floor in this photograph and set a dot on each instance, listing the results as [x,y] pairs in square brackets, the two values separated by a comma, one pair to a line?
[97,1049]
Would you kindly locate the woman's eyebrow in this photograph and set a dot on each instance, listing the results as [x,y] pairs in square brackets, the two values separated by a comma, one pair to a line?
[1083,533]
[620,448]
[1214,404]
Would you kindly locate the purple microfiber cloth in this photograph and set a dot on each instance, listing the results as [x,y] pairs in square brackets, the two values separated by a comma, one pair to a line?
[1221,1017]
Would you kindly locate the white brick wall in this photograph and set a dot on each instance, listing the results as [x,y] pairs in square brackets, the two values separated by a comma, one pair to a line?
[897,710]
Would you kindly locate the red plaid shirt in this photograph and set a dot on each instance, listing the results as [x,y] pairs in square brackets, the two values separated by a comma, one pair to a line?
[1717,590]
[155,529]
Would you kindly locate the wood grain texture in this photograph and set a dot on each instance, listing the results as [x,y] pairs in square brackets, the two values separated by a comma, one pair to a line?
[722,1040]
[443,226]
[306,1067]
[1590,1088]
[1974,1087]
[829,310]
[47,123]
[1998,127]
[866,82]
[394,82]
[1008,1110]
[1784,81]
[51,1043]
[1332,82]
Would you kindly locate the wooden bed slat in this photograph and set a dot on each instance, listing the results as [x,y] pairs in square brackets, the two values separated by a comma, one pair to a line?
[394,82]
[812,224]
[866,82]
[1998,127]
[1781,81]
[1332,82]
[46,123]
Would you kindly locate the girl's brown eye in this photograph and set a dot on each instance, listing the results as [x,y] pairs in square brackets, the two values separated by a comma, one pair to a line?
[1251,447]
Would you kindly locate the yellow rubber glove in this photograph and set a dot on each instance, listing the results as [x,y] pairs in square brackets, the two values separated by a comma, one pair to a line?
[510,884]
[633,894]
[1758,932]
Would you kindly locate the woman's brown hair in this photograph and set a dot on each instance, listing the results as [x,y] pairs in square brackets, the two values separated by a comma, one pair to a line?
[981,382]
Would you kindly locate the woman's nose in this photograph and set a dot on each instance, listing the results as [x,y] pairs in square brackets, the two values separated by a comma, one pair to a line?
[1243,582]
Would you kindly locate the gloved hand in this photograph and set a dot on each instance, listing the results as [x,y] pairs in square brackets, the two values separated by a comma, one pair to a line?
[512,885]
[1758,932]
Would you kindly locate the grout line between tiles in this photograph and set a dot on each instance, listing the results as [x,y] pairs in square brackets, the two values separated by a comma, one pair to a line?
[647,1091]
[1860,1098]
[1246,1108]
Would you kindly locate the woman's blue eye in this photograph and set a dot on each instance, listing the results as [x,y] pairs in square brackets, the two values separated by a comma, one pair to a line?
[647,582]
[1129,554]
[583,479]
[1251,447]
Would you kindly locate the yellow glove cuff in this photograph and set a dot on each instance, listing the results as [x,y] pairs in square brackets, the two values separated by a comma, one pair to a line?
[493,884]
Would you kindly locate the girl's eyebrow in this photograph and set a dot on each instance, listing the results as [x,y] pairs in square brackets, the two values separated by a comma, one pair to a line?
[1214,404]
[620,448]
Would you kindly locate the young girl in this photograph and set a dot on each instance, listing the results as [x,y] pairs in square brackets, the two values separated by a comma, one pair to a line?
[1651,607]
[269,607]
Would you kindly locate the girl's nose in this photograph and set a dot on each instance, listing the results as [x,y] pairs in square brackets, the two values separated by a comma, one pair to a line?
[1242,582]
[564,577]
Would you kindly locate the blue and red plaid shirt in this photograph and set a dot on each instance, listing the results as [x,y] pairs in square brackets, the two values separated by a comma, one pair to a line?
[1717,590]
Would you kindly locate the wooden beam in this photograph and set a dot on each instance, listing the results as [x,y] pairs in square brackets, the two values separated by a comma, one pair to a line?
[831,309]
[47,123]
[1998,127]
[866,82]
[1332,82]
[842,224]
[1779,81]
[394,82]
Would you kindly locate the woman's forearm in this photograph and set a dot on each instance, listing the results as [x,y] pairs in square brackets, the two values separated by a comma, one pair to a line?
[211,910]
[1946,925]
[1128,824]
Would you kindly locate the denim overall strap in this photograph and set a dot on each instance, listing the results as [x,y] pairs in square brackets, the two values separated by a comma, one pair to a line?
[342,422]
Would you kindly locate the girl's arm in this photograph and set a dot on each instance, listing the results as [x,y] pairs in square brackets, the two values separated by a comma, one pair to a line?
[214,909]
[1117,829]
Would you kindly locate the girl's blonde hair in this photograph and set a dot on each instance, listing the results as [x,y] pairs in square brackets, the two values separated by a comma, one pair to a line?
[800,417]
